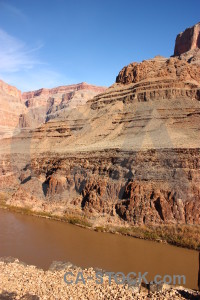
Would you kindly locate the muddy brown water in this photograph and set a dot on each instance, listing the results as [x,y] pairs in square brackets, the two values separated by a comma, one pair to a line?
[40,241]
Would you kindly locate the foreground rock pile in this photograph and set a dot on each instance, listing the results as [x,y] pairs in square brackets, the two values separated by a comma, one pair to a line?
[20,281]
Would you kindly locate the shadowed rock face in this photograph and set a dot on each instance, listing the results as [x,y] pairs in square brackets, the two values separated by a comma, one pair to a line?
[130,154]
[187,40]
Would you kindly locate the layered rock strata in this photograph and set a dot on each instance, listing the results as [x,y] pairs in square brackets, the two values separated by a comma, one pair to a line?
[30,109]
[45,104]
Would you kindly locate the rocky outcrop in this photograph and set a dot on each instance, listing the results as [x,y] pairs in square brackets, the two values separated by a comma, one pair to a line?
[192,56]
[160,69]
[187,40]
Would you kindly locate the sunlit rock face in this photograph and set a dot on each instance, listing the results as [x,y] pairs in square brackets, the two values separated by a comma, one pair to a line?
[188,40]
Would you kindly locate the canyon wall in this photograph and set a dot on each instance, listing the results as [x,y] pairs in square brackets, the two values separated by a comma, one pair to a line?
[129,155]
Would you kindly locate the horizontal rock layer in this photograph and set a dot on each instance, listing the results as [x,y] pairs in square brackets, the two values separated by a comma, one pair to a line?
[145,187]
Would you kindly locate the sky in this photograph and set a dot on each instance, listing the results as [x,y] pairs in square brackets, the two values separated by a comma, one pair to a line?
[47,43]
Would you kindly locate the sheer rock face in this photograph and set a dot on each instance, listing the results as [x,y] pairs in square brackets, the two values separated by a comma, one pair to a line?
[130,154]
[187,40]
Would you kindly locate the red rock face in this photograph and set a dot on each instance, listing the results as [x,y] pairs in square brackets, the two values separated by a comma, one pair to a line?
[187,40]
[63,89]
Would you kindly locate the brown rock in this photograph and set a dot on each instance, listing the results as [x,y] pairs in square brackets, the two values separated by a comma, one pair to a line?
[159,69]
[187,40]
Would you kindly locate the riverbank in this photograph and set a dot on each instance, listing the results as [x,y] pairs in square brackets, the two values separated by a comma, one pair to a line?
[186,236]
[21,281]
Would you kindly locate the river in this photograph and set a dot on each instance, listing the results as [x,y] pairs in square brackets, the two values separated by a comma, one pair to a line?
[40,241]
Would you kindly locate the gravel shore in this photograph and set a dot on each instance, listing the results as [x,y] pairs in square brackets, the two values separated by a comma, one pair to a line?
[21,281]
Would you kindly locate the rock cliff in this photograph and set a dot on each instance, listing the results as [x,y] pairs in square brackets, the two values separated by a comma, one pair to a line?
[188,40]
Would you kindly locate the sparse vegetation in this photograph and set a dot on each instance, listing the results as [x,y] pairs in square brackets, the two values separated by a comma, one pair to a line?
[3,198]
[72,219]
[76,220]
[187,236]
[100,229]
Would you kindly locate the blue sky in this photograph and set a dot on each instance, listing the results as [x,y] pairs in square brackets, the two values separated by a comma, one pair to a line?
[50,43]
